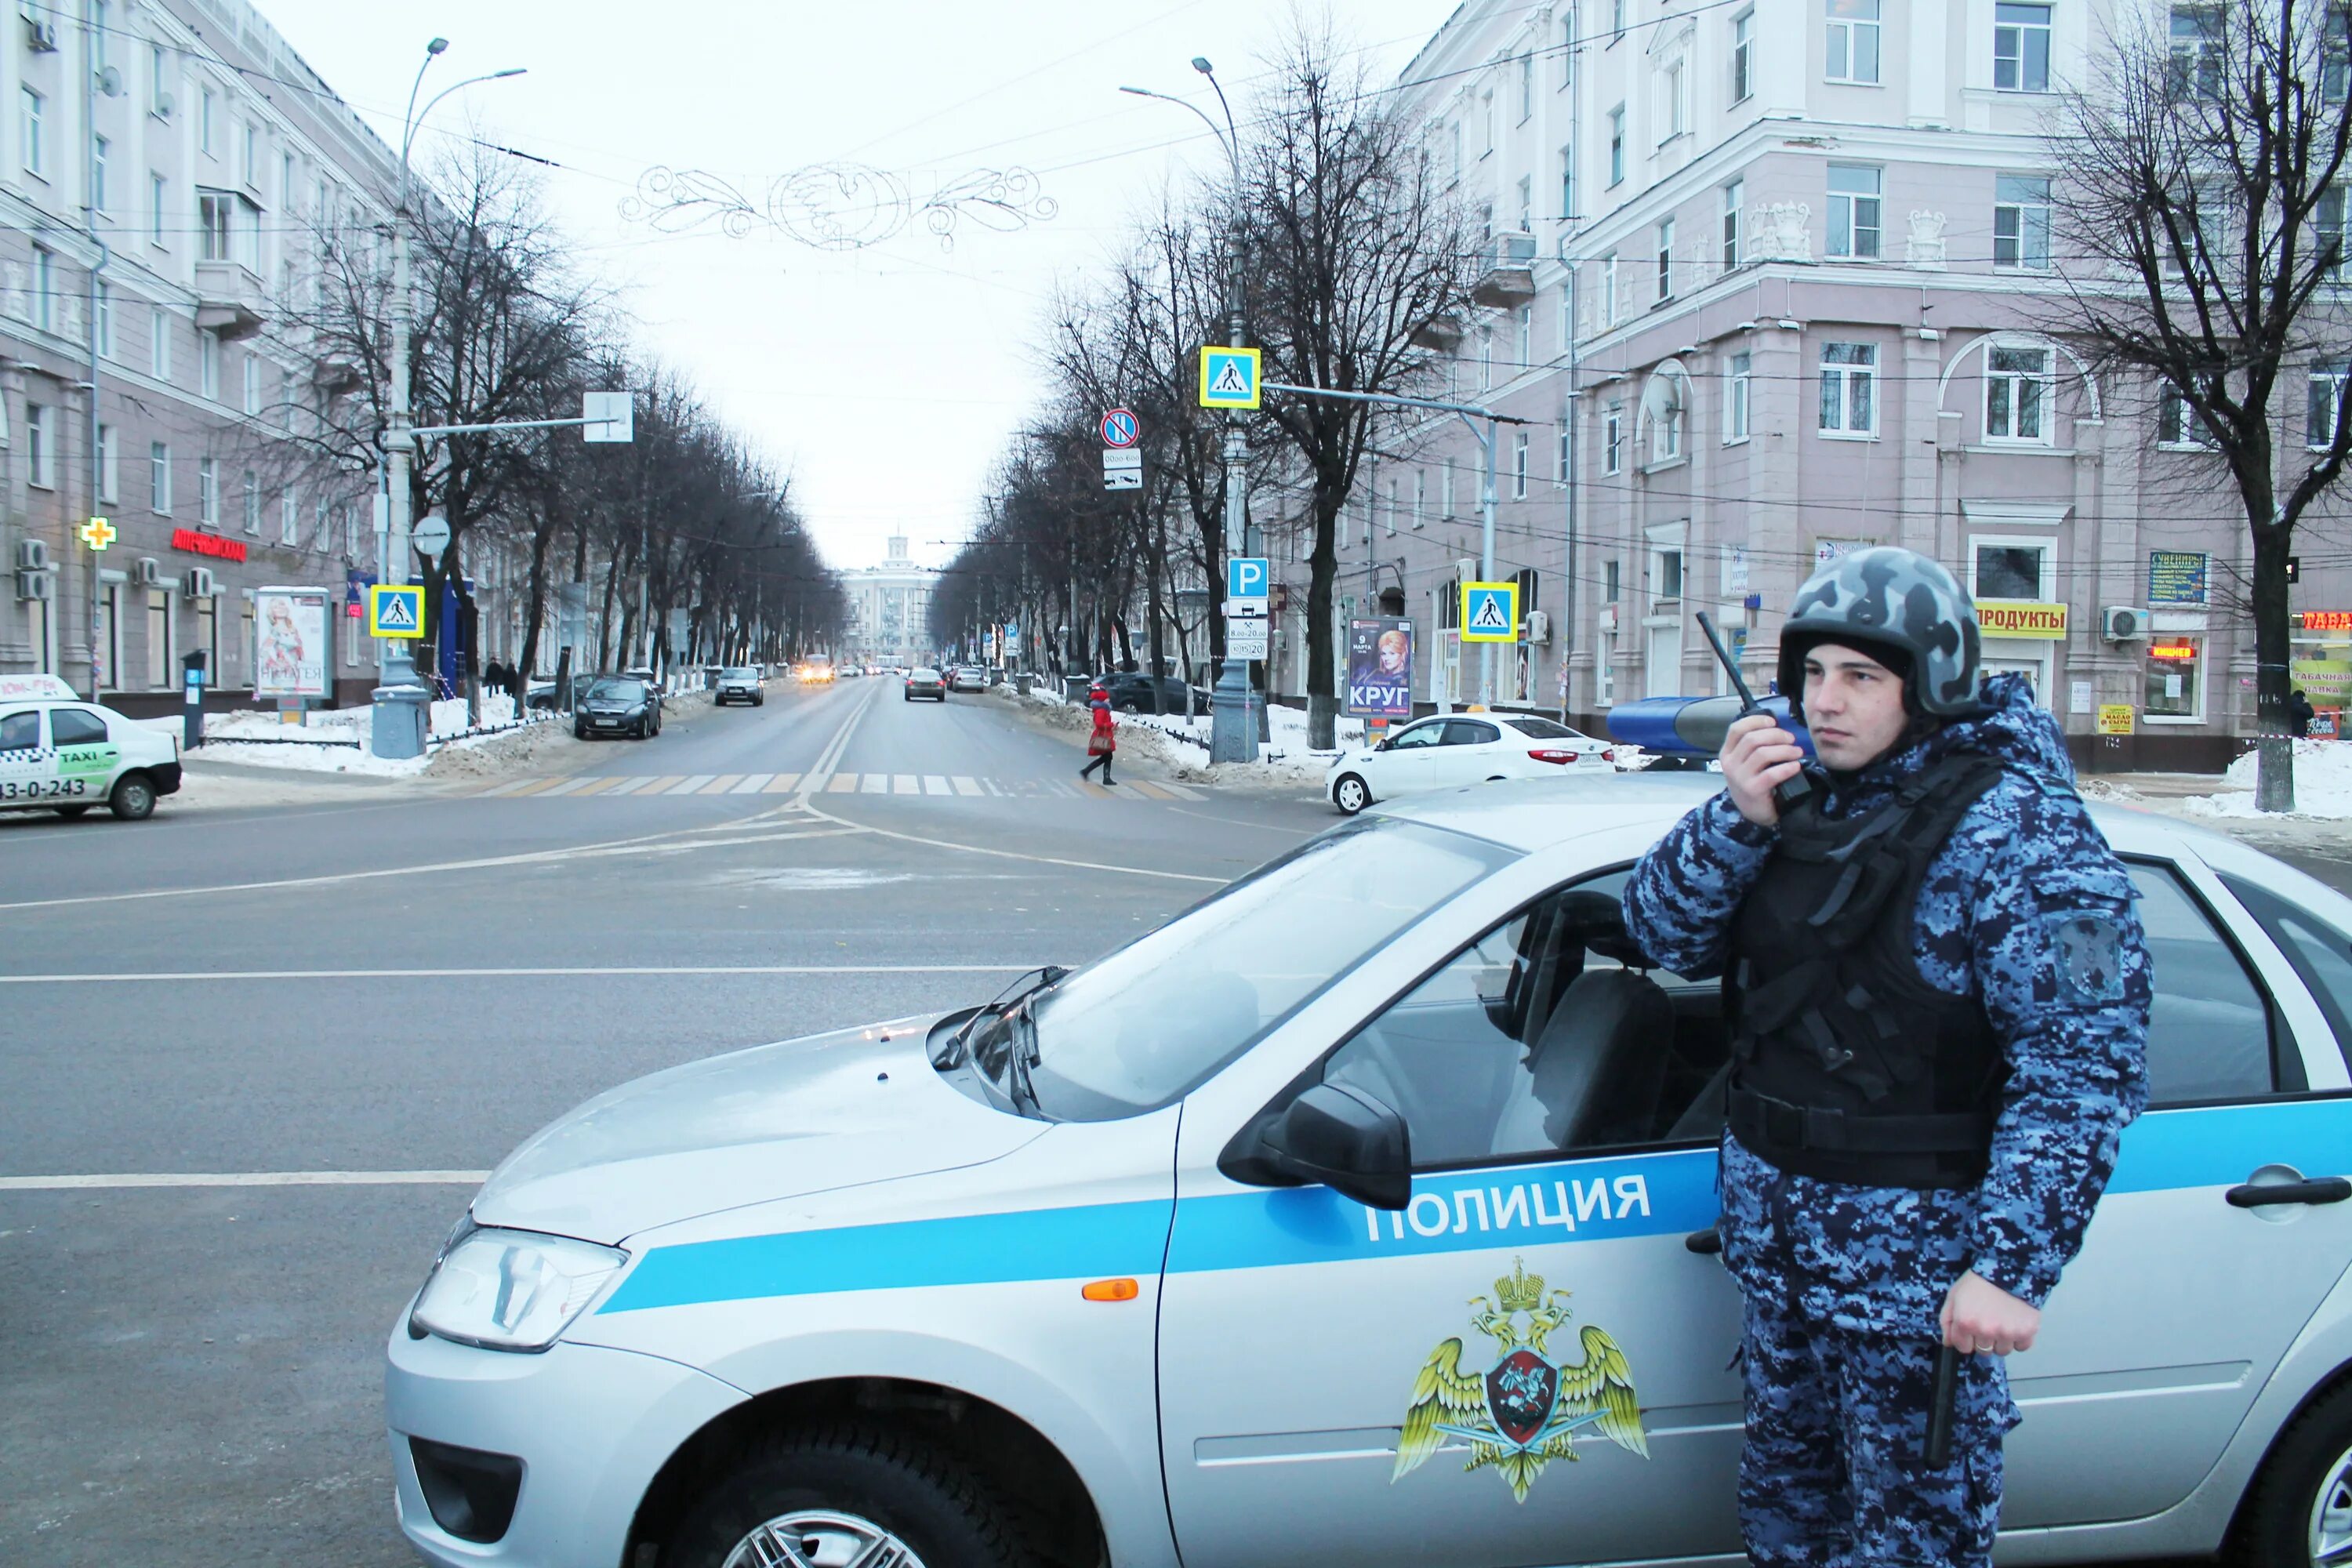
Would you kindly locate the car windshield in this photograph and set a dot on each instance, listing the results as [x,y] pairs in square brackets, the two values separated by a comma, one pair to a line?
[743,674]
[1143,1027]
[618,691]
[1545,730]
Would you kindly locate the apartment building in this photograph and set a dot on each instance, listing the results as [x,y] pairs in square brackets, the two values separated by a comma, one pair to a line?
[166,169]
[890,609]
[1770,281]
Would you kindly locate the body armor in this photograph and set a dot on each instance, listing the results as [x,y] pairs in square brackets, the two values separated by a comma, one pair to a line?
[1846,1064]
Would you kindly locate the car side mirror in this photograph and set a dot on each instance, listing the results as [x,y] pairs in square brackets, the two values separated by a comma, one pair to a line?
[1332,1136]
[1383,745]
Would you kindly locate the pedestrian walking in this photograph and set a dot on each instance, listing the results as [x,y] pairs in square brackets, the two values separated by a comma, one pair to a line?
[1937,996]
[2300,713]
[1102,743]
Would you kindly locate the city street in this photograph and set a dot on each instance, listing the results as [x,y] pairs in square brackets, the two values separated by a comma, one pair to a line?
[195,1369]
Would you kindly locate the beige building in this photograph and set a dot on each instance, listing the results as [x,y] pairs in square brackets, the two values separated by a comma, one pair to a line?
[889,610]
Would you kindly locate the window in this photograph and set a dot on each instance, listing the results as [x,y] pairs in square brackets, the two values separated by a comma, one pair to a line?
[99,148]
[1525,318]
[36,133]
[2329,232]
[2323,403]
[209,363]
[320,515]
[159,478]
[1526,203]
[1672,119]
[40,454]
[208,492]
[252,384]
[1520,466]
[1562,433]
[1612,438]
[1455,136]
[2178,425]
[2319,954]
[1735,381]
[1853,226]
[1665,260]
[1611,585]
[249,162]
[159,636]
[1392,508]
[1487,122]
[2021,220]
[286,181]
[109,490]
[76,727]
[2009,569]
[231,226]
[1616,20]
[159,343]
[2196,50]
[1667,574]
[1567,184]
[156,207]
[21,731]
[2335,56]
[204,108]
[290,517]
[1665,417]
[2175,663]
[2020,47]
[102,318]
[1568,49]
[1526,86]
[1609,289]
[1485,360]
[158,75]
[2017,394]
[1566,314]
[1853,40]
[1617,146]
[1849,378]
[1420,495]
[252,499]
[101,23]
[1735,198]
[1445,488]
[1743,57]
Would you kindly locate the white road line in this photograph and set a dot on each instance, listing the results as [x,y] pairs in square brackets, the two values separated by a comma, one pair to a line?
[906,784]
[131,976]
[966,784]
[875,784]
[753,784]
[936,783]
[250,1179]
[630,786]
[566,787]
[694,783]
[1016,855]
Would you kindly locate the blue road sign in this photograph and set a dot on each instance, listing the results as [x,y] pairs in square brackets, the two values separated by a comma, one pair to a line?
[1118,428]
[1246,576]
[1490,612]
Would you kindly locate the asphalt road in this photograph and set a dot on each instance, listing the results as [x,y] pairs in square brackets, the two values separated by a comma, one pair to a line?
[407,984]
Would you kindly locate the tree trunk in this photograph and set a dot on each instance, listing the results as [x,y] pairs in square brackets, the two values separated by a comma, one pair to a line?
[1322,692]
[2274,769]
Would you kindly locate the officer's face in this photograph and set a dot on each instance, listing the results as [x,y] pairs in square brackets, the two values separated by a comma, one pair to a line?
[1854,705]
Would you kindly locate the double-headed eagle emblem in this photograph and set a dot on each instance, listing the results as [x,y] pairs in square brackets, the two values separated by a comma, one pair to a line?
[1525,1410]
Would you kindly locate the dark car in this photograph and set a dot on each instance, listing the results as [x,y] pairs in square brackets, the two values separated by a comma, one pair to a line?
[618,705]
[548,696]
[1130,692]
[925,681]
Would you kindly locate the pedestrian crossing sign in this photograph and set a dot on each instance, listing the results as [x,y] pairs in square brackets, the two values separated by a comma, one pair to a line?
[1229,378]
[396,610]
[1490,612]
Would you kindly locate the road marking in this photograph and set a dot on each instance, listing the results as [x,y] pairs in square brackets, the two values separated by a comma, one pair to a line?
[548,972]
[595,786]
[251,1179]
[874,784]
[936,783]
[534,787]
[692,785]
[1182,792]
[1014,854]
[507,788]
[659,785]
[843,783]
[1148,790]
[631,785]
[564,786]
[782,784]
[1089,787]
[723,784]
[753,784]
[966,784]
[906,784]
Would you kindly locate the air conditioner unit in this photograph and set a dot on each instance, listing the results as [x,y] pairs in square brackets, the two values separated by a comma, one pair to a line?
[198,583]
[41,37]
[147,572]
[32,555]
[1608,619]
[35,585]
[1535,626]
[2122,623]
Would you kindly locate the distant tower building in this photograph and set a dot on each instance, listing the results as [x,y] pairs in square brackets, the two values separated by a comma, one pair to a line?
[890,609]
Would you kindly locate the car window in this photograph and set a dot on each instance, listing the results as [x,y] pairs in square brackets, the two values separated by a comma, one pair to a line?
[2210,1030]
[1470,732]
[2320,953]
[1419,735]
[1545,730]
[20,731]
[1540,1038]
[619,691]
[76,727]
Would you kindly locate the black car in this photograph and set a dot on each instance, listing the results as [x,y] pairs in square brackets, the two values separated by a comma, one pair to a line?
[1130,692]
[618,705]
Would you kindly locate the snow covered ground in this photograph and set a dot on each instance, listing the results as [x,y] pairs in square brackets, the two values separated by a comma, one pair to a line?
[2323,784]
[335,740]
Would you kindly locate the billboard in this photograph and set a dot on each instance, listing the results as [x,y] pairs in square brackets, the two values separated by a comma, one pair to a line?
[1380,668]
[290,646]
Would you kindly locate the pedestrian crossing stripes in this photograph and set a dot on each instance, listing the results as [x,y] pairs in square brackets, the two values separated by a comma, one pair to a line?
[935,787]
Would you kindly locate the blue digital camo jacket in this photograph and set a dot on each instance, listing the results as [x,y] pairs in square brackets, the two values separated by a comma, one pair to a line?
[2024,907]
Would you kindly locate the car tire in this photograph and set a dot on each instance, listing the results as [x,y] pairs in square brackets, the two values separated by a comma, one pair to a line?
[70,812]
[2304,1486]
[133,797]
[578,731]
[1351,795]
[847,1479]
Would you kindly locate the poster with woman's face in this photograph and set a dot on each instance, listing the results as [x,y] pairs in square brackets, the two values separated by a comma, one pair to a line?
[1380,668]
[290,645]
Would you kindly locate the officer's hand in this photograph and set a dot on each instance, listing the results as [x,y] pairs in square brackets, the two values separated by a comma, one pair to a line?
[1757,755]
[1979,1315]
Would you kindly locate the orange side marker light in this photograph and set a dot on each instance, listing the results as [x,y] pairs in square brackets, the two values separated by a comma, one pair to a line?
[1111,1290]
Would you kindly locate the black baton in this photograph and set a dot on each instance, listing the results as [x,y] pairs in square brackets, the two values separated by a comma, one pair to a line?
[1939,1410]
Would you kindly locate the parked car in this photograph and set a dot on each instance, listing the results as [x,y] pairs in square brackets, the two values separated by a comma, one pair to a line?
[618,705]
[1130,692]
[968,677]
[1132,1261]
[61,754]
[547,696]
[1457,749]
[738,683]
[924,681]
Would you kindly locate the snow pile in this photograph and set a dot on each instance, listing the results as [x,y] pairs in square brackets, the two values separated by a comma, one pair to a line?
[335,740]
[2323,783]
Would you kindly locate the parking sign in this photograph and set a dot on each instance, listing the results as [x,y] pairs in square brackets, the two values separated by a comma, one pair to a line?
[1248,576]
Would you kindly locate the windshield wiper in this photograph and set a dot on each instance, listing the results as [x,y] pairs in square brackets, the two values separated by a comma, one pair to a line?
[958,1049]
[1020,1057]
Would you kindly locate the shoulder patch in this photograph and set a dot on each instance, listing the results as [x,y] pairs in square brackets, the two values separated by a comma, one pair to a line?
[2088,948]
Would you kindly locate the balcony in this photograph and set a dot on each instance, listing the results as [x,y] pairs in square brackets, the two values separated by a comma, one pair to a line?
[1505,272]
[335,376]
[229,299]
[1442,335]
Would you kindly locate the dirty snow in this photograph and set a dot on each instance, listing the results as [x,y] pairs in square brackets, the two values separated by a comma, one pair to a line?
[2323,784]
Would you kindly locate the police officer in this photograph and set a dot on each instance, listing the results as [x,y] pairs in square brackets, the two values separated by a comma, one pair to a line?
[1938,997]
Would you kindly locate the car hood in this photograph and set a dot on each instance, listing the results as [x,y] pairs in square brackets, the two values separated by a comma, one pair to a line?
[774,1121]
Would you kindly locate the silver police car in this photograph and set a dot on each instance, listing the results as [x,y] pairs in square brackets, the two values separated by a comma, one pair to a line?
[1357,1215]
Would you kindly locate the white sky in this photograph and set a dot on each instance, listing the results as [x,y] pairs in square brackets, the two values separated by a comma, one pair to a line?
[887,379]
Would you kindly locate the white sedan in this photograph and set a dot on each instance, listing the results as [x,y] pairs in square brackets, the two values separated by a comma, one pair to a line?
[1461,749]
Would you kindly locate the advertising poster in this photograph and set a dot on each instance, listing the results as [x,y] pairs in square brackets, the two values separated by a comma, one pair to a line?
[2175,576]
[291,647]
[1380,668]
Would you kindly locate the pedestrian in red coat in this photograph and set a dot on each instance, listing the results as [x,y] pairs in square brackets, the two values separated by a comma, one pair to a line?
[1103,744]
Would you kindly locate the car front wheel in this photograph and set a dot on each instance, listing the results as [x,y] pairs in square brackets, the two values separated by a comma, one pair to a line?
[2298,1513]
[847,1494]
[1351,795]
[133,799]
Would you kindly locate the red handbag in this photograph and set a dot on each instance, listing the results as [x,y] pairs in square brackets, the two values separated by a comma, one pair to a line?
[1101,745]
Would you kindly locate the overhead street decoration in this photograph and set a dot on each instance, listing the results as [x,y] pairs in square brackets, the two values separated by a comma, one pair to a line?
[396,610]
[1490,612]
[1229,377]
[838,206]
[97,533]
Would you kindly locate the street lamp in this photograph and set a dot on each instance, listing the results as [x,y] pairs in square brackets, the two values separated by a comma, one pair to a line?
[1232,732]
[393,732]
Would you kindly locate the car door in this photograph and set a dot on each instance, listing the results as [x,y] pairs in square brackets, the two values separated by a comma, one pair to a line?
[1343,1384]
[1410,762]
[2163,1331]
[87,755]
[1472,751]
[24,765]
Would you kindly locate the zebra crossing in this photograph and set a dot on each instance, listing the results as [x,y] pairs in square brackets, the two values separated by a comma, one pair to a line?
[962,786]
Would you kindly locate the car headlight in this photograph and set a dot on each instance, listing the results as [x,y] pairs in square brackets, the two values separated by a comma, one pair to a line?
[513,1289]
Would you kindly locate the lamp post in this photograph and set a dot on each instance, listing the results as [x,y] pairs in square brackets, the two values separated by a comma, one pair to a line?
[393,734]
[1232,732]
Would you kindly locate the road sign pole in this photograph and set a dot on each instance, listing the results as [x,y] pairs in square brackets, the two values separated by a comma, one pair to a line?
[1486,561]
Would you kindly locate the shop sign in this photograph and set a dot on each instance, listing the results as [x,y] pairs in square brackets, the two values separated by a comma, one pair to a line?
[2116,718]
[2021,618]
[2172,650]
[2176,577]
[2327,620]
[198,542]
[2327,681]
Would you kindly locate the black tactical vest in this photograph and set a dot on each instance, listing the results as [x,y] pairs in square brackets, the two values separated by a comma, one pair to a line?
[1847,1065]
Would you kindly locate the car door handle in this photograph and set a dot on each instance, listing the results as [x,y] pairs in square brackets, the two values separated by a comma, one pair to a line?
[2317,1190]
[1705,1243]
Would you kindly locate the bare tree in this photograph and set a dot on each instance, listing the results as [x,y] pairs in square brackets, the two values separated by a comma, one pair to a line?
[2202,207]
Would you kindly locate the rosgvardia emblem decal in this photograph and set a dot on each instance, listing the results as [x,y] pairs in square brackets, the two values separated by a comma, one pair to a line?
[1523,1411]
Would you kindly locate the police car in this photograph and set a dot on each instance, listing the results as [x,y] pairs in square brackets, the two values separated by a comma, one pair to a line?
[60,754]
[1360,1215]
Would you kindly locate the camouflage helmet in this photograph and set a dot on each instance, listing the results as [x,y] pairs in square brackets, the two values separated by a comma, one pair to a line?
[1889,597]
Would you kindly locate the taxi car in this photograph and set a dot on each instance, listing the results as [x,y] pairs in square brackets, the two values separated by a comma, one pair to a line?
[61,754]
[1167,1257]
[1452,750]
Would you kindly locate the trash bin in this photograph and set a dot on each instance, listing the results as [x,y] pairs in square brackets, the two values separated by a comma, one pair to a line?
[401,711]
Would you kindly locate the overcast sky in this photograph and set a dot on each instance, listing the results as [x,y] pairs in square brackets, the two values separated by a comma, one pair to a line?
[885,379]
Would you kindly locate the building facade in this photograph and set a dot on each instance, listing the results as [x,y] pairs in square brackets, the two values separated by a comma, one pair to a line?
[167,168]
[1771,281]
[889,610]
